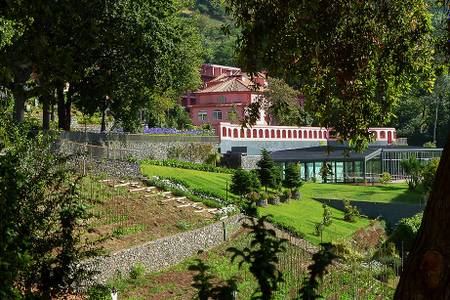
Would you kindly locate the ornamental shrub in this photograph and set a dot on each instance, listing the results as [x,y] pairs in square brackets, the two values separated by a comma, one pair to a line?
[351,213]
[405,232]
[327,214]
[385,178]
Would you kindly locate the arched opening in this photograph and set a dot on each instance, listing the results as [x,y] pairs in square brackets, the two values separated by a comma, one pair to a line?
[315,134]
[224,131]
[278,134]
[289,134]
[389,137]
[320,134]
[242,133]
[324,134]
[295,134]
[299,134]
[235,133]
[305,134]
[382,135]
[272,134]
[310,134]
[249,133]
[255,133]
[283,134]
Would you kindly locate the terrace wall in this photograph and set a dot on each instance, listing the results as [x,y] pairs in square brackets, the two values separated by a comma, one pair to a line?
[162,253]
[139,146]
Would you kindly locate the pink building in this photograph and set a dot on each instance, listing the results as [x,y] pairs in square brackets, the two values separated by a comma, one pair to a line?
[224,98]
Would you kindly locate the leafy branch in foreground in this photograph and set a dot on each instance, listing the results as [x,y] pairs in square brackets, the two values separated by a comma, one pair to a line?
[317,270]
[262,256]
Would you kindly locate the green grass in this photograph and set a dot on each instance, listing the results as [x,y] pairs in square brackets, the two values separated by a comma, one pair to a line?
[304,214]
[208,181]
[393,192]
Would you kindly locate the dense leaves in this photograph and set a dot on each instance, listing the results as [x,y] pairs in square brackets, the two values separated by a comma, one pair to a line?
[351,59]
[41,218]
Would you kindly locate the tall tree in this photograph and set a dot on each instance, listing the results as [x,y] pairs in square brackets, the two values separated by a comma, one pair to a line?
[351,59]
[354,58]
[284,104]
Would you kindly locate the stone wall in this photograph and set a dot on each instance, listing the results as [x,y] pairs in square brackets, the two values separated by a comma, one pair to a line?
[163,253]
[139,146]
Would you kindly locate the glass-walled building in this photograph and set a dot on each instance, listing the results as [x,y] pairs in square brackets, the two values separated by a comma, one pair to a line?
[349,166]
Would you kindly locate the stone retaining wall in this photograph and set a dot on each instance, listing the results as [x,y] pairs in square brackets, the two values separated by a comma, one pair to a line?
[140,146]
[162,253]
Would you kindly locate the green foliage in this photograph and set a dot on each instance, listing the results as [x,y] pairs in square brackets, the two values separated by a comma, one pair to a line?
[325,171]
[327,214]
[423,116]
[351,59]
[351,213]
[292,176]
[413,169]
[317,270]
[267,170]
[242,183]
[429,173]
[385,178]
[263,257]
[405,232]
[284,105]
[213,158]
[173,163]
[42,217]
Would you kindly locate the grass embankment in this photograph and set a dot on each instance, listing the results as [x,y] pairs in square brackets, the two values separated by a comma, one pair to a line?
[387,193]
[352,282]
[304,214]
[215,183]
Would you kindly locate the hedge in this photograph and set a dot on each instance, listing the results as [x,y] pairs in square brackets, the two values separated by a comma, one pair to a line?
[173,163]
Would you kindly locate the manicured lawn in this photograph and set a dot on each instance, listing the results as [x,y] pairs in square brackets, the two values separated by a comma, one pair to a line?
[394,192]
[213,182]
[304,214]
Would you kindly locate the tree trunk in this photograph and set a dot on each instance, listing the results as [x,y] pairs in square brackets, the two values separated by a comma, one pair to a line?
[64,107]
[45,112]
[19,107]
[103,125]
[61,104]
[427,271]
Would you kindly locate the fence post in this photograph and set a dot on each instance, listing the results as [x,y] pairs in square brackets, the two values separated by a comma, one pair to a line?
[225,233]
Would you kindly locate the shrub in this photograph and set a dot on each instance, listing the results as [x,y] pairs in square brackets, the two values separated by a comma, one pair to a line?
[412,168]
[385,178]
[429,173]
[173,163]
[318,228]
[292,176]
[405,232]
[326,215]
[350,212]
[242,183]
[137,272]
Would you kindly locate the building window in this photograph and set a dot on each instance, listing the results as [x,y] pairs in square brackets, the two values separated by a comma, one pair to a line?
[217,115]
[222,99]
[202,116]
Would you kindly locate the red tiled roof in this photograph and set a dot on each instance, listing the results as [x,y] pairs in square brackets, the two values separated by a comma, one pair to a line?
[236,82]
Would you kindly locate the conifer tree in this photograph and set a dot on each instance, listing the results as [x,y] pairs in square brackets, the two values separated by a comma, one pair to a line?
[292,176]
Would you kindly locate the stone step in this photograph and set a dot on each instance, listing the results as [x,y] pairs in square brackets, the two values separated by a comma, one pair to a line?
[122,184]
[140,189]
[183,205]
[105,180]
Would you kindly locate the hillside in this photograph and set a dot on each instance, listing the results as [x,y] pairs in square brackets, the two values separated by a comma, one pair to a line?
[211,17]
